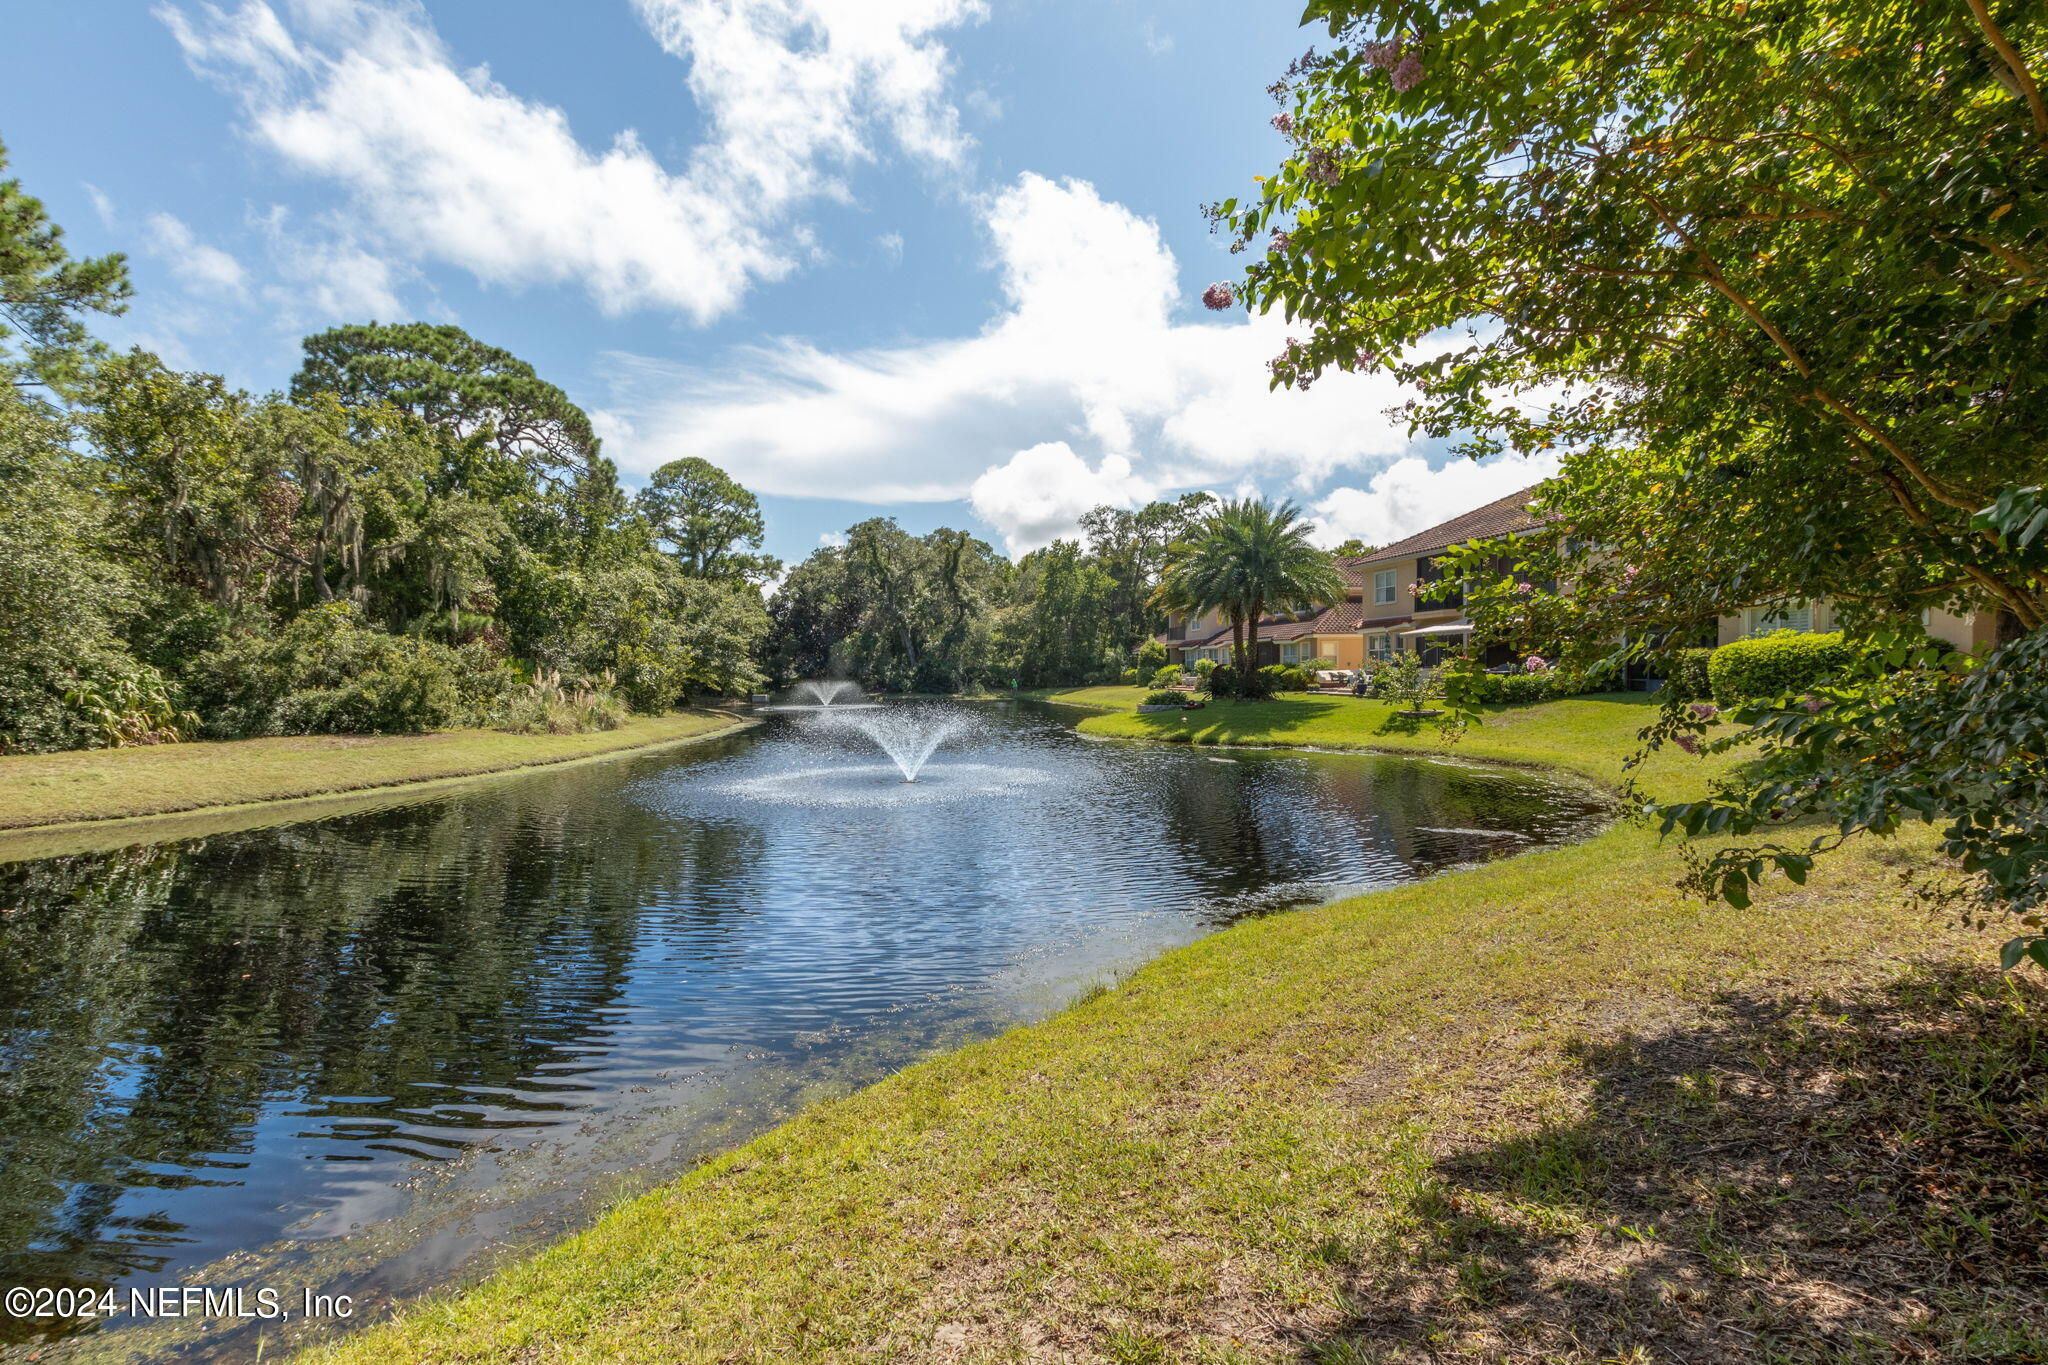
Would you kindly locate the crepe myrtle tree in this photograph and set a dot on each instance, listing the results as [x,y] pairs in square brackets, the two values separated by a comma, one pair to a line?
[1766,276]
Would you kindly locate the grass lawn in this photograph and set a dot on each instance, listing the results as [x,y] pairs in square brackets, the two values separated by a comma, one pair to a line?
[112,784]
[1546,1109]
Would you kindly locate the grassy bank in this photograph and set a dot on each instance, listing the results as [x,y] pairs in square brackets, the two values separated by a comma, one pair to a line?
[1546,1109]
[112,784]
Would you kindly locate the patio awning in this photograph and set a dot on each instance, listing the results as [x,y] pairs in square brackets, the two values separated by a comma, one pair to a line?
[1449,628]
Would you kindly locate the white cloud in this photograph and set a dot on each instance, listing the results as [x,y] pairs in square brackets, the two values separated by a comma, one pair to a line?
[1039,495]
[1093,352]
[328,276]
[199,267]
[1409,496]
[832,540]
[101,204]
[446,164]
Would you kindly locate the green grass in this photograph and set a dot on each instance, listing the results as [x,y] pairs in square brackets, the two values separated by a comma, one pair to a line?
[1546,1108]
[112,784]
[1590,735]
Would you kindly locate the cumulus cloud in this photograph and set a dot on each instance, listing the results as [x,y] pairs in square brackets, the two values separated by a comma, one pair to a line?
[1039,495]
[447,164]
[198,266]
[1409,496]
[1093,375]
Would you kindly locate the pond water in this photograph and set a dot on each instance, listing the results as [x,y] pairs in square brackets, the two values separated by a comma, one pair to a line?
[376,1051]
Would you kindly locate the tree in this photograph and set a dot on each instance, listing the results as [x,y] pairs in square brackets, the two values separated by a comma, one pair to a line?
[43,291]
[1354,548]
[62,596]
[1131,547]
[1782,266]
[704,519]
[1789,256]
[1067,632]
[893,611]
[197,512]
[482,398]
[1248,557]
[517,498]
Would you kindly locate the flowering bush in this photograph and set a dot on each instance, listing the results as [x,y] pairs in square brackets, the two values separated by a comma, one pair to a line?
[1535,663]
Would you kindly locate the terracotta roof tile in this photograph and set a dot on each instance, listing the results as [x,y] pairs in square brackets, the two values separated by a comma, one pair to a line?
[1497,518]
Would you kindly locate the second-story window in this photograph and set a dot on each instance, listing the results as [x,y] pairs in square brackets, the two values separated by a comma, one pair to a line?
[1383,586]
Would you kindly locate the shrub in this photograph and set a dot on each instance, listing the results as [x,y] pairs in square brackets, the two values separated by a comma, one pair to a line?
[1284,678]
[1167,676]
[1219,680]
[1510,689]
[1764,666]
[1161,697]
[328,673]
[1131,676]
[1203,668]
[546,706]
[1151,656]
[1687,675]
[1401,679]
[122,702]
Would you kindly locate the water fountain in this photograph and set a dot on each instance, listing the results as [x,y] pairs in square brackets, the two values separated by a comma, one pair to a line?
[826,691]
[909,737]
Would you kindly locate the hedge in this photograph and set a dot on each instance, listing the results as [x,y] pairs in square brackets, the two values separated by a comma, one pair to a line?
[1760,668]
[1687,674]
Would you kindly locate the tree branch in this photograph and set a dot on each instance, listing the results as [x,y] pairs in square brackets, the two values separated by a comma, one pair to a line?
[2015,64]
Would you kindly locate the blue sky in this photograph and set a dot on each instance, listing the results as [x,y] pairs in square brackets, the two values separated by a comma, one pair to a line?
[935,259]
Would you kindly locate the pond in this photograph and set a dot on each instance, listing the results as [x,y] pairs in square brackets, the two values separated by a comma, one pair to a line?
[375,1052]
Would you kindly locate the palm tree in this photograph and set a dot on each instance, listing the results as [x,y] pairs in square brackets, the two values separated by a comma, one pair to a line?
[1247,557]
[1196,579]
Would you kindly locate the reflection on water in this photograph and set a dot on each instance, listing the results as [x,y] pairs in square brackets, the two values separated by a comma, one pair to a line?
[371,1051]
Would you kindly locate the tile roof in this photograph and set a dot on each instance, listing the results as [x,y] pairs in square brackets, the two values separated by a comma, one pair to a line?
[1353,569]
[1340,619]
[1497,518]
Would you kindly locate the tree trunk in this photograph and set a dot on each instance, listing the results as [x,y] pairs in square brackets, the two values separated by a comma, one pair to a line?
[1251,664]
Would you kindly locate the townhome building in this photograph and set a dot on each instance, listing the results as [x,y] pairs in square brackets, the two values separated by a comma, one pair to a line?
[1392,607]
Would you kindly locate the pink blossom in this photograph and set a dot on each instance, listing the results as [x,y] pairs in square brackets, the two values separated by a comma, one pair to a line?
[1322,167]
[1366,359]
[1286,366]
[1814,705]
[1381,55]
[1407,74]
[1219,296]
[1628,575]
[1284,121]
[1536,663]
[1281,241]
[1705,710]
[1524,588]
[1687,743]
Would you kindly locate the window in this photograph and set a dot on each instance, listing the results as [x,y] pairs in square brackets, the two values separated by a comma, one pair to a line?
[1781,616]
[1290,653]
[1383,587]
[1380,647]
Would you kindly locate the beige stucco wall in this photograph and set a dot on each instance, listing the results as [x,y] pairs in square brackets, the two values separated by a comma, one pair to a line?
[1736,626]
[1971,633]
[1347,650]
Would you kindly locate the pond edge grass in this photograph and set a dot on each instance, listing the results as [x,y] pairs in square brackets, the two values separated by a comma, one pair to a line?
[25,837]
